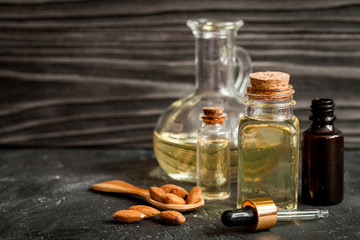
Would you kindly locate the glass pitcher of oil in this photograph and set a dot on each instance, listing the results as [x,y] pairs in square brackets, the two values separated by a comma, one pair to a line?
[218,61]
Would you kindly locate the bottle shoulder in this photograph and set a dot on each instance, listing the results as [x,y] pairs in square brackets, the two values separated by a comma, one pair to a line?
[214,131]
[246,120]
[249,126]
[323,131]
[183,114]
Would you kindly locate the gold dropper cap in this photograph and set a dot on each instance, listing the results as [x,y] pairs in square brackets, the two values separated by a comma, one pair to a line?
[266,212]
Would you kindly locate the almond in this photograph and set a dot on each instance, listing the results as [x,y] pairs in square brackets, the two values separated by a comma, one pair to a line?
[172,217]
[173,199]
[179,191]
[149,212]
[194,195]
[167,187]
[128,216]
[156,193]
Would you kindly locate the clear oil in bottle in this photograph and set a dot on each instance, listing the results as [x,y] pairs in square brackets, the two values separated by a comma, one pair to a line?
[176,153]
[269,161]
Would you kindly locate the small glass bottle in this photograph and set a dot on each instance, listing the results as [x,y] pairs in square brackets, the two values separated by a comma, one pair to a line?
[269,142]
[322,157]
[213,155]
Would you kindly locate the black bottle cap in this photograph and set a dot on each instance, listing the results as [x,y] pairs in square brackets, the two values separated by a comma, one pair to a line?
[322,110]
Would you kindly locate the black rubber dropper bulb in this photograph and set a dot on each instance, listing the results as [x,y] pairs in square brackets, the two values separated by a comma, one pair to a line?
[239,217]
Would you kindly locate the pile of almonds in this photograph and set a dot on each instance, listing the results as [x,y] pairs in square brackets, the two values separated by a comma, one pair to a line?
[140,212]
[173,194]
[169,194]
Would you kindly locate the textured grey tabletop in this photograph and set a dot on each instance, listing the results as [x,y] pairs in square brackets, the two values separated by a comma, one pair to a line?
[44,194]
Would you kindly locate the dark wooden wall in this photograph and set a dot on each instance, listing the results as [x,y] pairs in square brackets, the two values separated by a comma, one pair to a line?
[99,73]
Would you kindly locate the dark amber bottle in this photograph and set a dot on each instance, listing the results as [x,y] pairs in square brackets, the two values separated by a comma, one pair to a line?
[322,157]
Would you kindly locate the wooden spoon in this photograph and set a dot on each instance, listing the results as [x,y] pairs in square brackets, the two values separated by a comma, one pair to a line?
[124,187]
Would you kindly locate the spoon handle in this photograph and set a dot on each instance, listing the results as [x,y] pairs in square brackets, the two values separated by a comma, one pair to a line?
[120,187]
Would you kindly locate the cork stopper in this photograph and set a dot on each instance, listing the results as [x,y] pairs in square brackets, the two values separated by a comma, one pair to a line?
[269,86]
[213,115]
[213,111]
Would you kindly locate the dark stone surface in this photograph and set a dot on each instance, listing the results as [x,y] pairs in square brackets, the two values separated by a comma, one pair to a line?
[44,194]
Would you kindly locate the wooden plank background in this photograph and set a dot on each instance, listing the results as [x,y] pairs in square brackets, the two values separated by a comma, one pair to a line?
[99,73]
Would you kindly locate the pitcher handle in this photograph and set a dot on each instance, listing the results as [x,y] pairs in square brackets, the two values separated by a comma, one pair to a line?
[245,69]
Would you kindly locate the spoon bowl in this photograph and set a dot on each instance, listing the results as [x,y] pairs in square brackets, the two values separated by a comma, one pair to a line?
[124,187]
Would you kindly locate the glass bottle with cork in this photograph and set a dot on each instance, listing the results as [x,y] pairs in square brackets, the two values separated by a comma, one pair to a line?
[213,155]
[322,157]
[269,142]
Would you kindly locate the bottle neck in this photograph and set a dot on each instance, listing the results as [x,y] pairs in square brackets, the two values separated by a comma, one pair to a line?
[215,62]
[270,110]
[322,115]
[217,125]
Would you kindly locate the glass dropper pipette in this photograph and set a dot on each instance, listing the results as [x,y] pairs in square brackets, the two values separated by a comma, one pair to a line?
[261,213]
[308,214]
